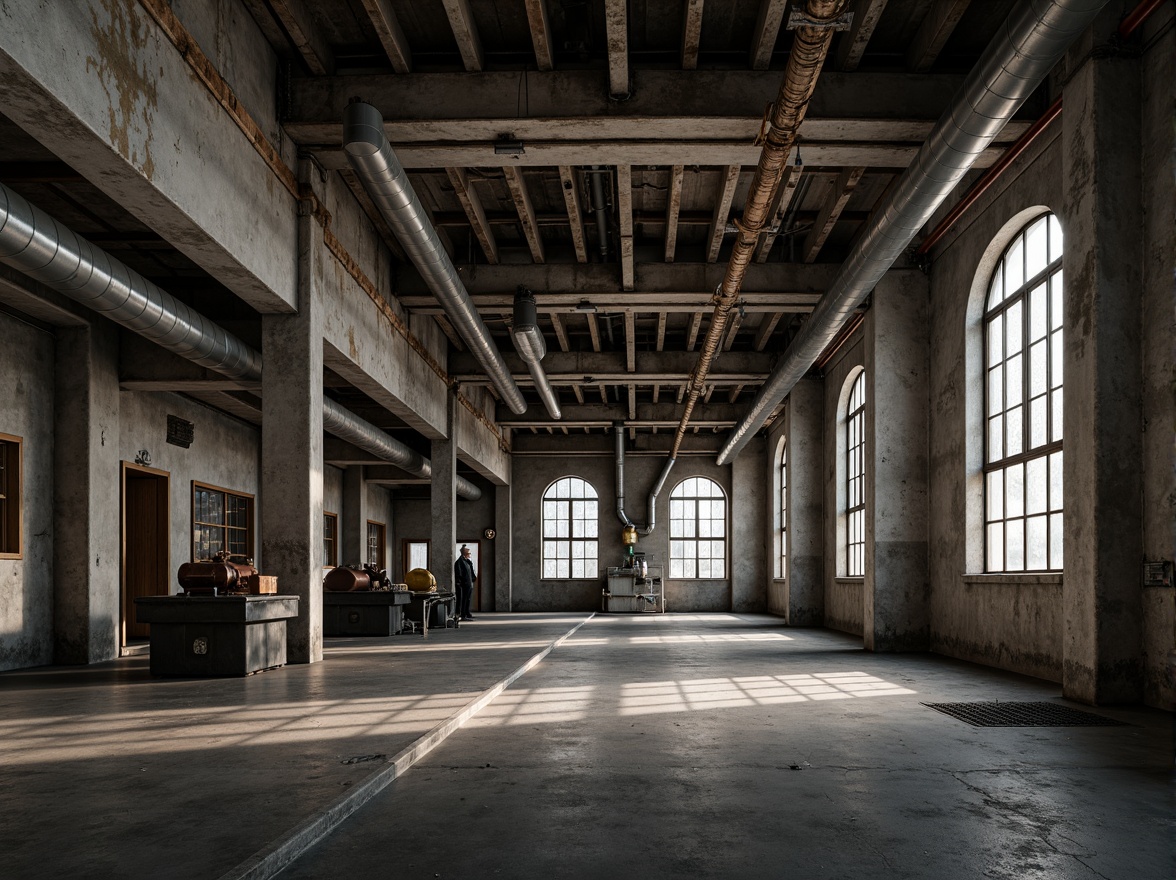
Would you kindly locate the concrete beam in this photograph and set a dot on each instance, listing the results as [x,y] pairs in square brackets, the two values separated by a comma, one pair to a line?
[625,223]
[540,33]
[933,33]
[644,415]
[673,207]
[767,29]
[723,199]
[526,210]
[613,366]
[471,202]
[571,194]
[141,128]
[387,27]
[852,44]
[305,34]
[465,32]
[616,26]
[691,34]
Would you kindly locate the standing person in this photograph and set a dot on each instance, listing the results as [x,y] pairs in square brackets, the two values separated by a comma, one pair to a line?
[463,579]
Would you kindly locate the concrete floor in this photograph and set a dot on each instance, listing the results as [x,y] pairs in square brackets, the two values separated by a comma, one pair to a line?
[662,746]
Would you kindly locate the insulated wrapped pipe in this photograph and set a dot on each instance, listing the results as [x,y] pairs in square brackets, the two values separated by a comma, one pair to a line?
[528,342]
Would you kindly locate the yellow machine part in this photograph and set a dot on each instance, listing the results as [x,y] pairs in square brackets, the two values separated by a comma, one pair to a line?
[629,535]
[421,580]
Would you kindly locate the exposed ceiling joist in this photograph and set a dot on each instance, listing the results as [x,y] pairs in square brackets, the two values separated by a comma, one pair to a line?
[522,199]
[853,42]
[767,29]
[842,189]
[616,25]
[691,34]
[387,27]
[540,33]
[673,207]
[305,34]
[933,33]
[726,194]
[571,194]
[471,202]
[465,31]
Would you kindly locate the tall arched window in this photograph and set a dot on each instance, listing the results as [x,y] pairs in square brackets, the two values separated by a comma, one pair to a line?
[783,510]
[570,521]
[698,530]
[1023,403]
[855,479]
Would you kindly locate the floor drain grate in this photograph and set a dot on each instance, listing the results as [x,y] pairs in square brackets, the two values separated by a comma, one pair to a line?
[1022,715]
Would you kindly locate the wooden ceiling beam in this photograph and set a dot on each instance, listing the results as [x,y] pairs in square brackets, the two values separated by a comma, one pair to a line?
[571,194]
[522,199]
[540,33]
[673,208]
[616,28]
[852,45]
[306,36]
[726,194]
[465,32]
[691,34]
[475,213]
[843,188]
[933,33]
[387,27]
[767,29]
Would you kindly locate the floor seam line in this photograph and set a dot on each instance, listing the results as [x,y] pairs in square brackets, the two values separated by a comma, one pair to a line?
[271,860]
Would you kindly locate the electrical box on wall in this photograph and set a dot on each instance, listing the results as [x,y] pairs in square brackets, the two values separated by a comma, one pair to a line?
[180,431]
[1157,574]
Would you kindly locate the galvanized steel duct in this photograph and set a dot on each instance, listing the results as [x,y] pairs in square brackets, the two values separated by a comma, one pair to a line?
[600,207]
[619,430]
[528,342]
[1024,51]
[40,247]
[385,180]
[810,45]
[346,425]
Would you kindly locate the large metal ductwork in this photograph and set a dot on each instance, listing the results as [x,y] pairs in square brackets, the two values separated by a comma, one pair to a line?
[385,180]
[651,522]
[40,247]
[528,342]
[346,425]
[45,250]
[600,208]
[1024,51]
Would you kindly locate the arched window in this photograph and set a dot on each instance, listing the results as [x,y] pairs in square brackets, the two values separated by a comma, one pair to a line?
[570,521]
[783,510]
[698,530]
[855,479]
[1023,403]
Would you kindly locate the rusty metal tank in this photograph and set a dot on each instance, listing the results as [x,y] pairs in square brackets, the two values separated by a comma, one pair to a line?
[224,573]
[354,578]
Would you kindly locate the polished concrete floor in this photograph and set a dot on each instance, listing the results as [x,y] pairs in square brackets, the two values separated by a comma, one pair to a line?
[656,746]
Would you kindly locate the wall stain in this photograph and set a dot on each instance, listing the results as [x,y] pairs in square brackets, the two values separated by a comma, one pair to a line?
[127,83]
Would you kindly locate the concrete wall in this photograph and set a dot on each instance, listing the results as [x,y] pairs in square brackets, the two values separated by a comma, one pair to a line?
[843,596]
[224,453]
[26,411]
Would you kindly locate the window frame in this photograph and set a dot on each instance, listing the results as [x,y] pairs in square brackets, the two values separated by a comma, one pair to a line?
[330,539]
[250,514]
[855,470]
[1000,469]
[546,539]
[381,544]
[11,496]
[697,537]
[782,559]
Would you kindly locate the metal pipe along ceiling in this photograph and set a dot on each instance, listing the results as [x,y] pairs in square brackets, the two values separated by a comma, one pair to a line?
[346,425]
[40,247]
[1026,48]
[809,48]
[528,342]
[385,180]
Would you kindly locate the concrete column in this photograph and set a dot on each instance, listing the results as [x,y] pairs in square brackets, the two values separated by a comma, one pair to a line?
[503,547]
[86,595]
[443,498]
[896,593]
[1101,432]
[355,515]
[292,443]
[805,578]
[749,574]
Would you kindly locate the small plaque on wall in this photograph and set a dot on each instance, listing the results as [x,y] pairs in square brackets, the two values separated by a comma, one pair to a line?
[1157,574]
[180,431]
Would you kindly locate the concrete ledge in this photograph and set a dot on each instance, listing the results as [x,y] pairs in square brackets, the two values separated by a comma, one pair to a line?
[1012,579]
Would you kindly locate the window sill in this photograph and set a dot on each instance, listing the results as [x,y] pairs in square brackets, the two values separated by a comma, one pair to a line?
[1014,578]
[849,580]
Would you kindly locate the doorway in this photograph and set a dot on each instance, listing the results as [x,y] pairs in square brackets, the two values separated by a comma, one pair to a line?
[146,544]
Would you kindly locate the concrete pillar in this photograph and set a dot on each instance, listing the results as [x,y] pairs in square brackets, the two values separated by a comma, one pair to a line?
[805,578]
[749,550]
[896,592]
[86,595]
[443,498]
[292,443]
[503,547]
[355,516]
[1101,589]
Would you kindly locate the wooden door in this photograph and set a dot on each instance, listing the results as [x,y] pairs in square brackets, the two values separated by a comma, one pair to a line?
[146,558]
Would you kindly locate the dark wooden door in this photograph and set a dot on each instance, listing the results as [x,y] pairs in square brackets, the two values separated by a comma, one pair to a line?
[146,550]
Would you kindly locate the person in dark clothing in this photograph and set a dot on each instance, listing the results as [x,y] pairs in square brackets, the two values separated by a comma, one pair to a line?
[463,580]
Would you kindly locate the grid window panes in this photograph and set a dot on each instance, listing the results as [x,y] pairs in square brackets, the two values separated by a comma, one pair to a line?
[1023,404]
[375,544]
[698,530]
[221,520]
[570,522]
[784,511]
[330,540]
[855,480]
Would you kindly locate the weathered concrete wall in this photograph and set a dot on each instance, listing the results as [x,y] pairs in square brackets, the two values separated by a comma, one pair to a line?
[99,83]
[749,548]
[777,584]
[1159,357]
[333,496]
[26,411]
[807,565]
[411,515]
[224,452]
[380,508]
[843,596]
[1010,621]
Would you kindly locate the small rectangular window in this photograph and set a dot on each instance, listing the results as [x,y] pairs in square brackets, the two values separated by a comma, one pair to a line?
[11,510]
[375,544]
[330,540]
[221,520]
